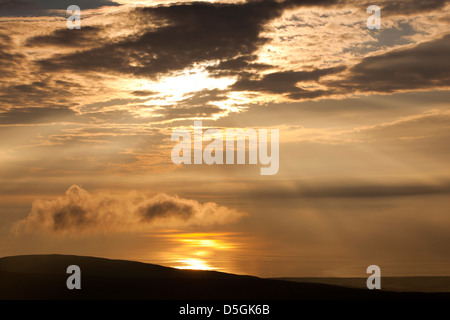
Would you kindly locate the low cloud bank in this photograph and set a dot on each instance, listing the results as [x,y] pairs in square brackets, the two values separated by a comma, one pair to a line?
[79,212]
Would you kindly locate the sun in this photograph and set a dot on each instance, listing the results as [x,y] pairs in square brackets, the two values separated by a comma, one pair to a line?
[193,264]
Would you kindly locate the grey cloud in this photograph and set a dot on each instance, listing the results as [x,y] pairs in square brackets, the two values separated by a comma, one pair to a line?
[357,190]
[426,125]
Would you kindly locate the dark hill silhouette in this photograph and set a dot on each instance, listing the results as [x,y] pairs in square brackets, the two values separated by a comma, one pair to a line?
[399,284]
[44,277]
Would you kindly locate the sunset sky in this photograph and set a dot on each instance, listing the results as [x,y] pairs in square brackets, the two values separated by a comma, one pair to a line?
[86,118]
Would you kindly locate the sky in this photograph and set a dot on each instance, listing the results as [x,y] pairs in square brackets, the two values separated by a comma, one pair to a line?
[86,118]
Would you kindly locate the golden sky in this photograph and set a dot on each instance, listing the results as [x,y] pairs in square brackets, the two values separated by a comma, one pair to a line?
[86,118]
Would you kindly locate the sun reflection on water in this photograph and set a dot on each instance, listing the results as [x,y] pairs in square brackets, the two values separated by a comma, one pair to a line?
[193,264]
[200,251]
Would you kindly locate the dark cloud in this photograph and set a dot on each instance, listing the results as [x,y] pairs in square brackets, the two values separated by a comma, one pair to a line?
[409,7]
[10,63]
[284,82]
[423,66]
[399,8]
[235,66]
[45,92]
[23,8]
[312,3]
[143,93]
[189,34]
[166,209]
[204,96]
[98,106]
[84,37]
[173,113]
[70,215]
[197,105]
[10,60]
[344,113]
[193,33]
[36,115]
[346,190]
[113,117]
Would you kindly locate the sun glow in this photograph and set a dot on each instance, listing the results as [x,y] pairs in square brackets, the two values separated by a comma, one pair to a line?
[193,264]
[201,240]
[195,79]
[200,250]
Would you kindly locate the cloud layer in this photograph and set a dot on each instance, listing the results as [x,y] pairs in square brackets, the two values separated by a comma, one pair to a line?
[420,67]
[78,212]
